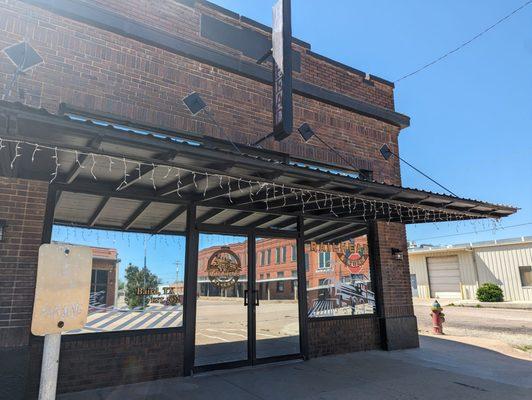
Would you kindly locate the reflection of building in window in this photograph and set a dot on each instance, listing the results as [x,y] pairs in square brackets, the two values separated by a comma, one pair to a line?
[104,277]
[325,260]
[327,274]
[280,284]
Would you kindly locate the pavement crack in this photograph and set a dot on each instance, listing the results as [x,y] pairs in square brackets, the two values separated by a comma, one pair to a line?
[470,386]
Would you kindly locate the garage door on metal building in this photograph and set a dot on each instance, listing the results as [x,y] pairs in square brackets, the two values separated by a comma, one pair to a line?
[444,277]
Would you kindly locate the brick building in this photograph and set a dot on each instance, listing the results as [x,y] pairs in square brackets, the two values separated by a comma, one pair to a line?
[97,136]
[277,269]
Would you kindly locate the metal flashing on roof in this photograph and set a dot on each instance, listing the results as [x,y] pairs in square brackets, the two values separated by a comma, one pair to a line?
[471,245]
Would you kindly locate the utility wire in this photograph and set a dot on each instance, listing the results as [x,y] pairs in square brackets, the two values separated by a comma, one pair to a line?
[474,232]
[465,43]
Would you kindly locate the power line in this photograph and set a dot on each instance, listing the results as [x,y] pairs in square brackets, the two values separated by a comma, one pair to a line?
[474,232]
[465,43]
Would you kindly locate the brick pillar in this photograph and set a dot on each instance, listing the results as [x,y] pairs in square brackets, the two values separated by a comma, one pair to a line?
[22,206]
[392,282]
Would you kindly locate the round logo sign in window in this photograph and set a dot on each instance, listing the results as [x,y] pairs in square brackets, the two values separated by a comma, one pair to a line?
[354,257]
[224,268]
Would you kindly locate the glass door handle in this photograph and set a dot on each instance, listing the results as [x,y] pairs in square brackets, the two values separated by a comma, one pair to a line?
[246,297]
[256,297]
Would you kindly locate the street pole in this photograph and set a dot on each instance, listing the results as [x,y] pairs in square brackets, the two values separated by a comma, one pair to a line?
[50,366]
[145,268]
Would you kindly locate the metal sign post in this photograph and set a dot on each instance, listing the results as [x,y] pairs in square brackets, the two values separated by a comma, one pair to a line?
[61,303]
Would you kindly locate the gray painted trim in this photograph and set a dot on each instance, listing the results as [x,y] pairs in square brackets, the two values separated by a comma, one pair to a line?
[112,22]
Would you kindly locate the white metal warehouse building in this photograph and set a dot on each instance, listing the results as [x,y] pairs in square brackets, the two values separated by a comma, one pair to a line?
[455,272]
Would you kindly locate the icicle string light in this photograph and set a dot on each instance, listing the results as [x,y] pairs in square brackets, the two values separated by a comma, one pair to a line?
[34,153]
[414,213]
[17,155]
[55,157]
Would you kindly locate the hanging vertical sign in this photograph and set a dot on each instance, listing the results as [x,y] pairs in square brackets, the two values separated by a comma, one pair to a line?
[282,70]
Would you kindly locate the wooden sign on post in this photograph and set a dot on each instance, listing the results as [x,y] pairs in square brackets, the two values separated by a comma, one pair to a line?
[63,288]
[61,303]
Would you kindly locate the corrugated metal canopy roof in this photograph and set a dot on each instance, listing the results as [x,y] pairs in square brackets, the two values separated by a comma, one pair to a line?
[150,202]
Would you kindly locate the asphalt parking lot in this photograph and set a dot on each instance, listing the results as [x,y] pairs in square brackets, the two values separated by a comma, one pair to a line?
[512,327]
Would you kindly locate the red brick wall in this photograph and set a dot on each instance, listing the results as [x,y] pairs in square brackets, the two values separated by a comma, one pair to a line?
[104,72]
[92,361]
[395,274]
[22,206]
[343,335]
[184,21]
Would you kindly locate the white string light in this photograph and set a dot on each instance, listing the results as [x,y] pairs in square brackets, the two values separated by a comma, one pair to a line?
[167,173]
[152,177]
[124,182]
[229,189]
[34,153]
[55,157]
[179,183]
[111,163]
[305,195]
[206,184]
[17,155]
[93,166]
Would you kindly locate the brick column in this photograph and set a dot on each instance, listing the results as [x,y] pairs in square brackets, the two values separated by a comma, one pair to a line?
[392,283]
[22,206]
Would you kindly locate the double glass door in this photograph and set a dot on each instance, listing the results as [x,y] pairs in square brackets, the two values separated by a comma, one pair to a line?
[247,308]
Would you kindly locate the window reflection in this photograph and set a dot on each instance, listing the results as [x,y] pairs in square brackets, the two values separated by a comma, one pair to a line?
[339,278]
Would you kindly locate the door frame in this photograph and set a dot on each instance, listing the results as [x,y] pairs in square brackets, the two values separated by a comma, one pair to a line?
[190,301]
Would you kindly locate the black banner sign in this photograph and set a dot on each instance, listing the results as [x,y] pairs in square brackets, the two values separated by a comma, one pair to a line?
[282,70]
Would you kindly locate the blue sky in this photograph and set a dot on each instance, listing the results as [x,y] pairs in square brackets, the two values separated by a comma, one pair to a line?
[471,114]
[162,251]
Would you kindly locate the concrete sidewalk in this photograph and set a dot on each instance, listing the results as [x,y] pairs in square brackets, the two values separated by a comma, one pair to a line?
[440,369]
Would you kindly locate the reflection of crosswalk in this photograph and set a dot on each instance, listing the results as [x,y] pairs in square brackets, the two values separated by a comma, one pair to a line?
[119,319]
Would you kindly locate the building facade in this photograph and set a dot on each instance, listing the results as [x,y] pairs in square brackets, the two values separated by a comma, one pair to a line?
[104,277]
[456,272]
[94,134]
[277,269]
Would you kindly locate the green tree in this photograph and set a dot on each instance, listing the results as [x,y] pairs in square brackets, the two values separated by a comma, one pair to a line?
[139,278]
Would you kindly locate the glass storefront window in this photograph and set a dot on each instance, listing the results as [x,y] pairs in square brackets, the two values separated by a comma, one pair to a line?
[339,278]
[137,280]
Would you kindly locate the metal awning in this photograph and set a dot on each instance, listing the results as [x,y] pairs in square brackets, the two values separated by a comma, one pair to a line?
[116,176]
